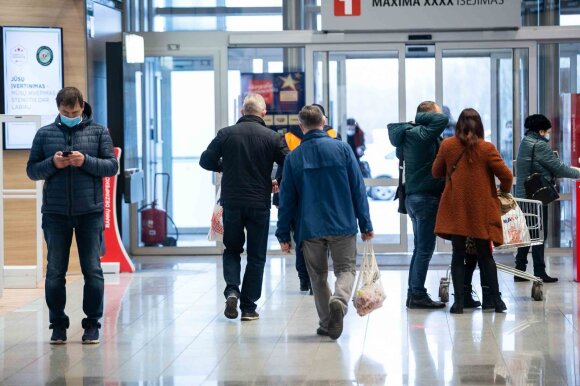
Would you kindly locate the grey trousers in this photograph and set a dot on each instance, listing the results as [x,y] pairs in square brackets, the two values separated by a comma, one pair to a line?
[343,253]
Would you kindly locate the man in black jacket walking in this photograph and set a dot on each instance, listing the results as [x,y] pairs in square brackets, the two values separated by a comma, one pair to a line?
[72,155]
[245,153]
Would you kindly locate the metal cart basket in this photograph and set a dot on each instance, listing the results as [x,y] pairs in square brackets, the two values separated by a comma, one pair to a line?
[532,211]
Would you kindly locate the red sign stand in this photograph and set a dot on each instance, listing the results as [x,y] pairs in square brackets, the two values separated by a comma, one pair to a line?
[114,249]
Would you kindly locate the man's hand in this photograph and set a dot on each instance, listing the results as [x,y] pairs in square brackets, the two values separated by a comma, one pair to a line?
[285,247]
[77,159]
[59,161]
[275,187]
[368,235]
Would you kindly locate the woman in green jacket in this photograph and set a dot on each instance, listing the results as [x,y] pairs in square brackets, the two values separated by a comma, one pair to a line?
[546,162]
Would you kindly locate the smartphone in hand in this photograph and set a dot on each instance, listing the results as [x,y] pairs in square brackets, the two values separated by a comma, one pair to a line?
[66,153]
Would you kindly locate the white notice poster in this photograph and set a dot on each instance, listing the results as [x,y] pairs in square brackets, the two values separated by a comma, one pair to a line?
[32,73]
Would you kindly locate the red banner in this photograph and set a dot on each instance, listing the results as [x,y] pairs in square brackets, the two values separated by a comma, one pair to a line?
[114,249]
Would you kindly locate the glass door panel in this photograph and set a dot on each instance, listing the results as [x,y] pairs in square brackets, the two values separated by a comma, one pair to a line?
[361,88]
[182,122]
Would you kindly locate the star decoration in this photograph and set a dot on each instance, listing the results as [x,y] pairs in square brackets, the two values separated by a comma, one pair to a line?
[288,82]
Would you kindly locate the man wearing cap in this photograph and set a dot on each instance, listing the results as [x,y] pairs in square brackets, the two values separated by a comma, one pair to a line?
[536,156]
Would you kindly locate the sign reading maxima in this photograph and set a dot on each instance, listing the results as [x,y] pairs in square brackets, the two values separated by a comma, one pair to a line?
[419,15]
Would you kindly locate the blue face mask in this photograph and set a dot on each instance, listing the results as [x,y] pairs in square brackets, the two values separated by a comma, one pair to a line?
[70,122]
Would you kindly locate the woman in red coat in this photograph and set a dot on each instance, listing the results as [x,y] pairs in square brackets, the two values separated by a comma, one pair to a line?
[469,206]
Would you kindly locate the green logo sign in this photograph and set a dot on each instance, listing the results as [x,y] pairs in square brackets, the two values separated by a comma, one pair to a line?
[44,55]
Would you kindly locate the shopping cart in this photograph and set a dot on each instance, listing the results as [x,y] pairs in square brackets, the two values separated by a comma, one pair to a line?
[532,210]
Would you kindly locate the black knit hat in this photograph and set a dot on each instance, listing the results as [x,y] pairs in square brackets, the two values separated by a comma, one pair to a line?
[537,122]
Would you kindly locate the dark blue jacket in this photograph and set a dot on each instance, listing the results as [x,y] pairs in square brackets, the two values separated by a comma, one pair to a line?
[323,190]
[72,191]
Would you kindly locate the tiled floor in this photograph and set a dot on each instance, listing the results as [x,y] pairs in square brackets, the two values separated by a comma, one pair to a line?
[164,325]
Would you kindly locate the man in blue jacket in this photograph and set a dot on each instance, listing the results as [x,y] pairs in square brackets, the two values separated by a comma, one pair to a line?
[323,190]
[72,155]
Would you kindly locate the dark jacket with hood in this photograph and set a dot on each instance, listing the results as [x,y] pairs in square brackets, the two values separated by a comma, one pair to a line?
[73,190]
[545,162]
[419,142]
[245,153]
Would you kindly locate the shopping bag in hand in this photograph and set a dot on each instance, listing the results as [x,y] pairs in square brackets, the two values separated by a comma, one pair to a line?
[515,229]
[216,229]
[369,293]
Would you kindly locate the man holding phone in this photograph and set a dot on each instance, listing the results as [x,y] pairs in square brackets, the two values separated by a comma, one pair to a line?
[72,155]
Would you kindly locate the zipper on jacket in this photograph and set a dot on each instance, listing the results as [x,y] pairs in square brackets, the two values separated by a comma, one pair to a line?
[70,173]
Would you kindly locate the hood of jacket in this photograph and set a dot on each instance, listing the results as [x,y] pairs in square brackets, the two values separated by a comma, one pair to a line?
[397,132]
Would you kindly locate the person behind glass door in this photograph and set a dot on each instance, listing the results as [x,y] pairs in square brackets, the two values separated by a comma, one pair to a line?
[72,155]
[549,165]
[293,138]
[469,206]
[317,178]
[245,153]
[355,137]
[417,142]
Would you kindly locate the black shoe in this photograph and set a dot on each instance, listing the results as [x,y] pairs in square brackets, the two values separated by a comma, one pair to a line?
[58,335]
[424,302]
[231,311]
[456,309]
[519,279]
[547,279]
[250,315]
[91,334]
[499,304]
[487,302]
[336,320]
[310,292]
[304,285]
[468,298]
[321,331]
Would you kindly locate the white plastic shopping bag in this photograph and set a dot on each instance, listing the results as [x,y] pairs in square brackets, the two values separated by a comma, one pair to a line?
[369,293]
[216,229]
[515,229]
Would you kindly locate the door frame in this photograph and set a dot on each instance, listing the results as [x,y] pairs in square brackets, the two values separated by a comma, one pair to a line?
[326,49]
[219,57]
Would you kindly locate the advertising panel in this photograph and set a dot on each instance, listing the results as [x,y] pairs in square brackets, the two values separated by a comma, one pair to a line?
[32,75]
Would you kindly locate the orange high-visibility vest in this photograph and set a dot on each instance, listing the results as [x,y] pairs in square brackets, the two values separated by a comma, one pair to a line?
[293,141]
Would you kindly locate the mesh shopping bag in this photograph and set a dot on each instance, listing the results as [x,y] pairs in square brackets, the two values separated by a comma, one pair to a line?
[216,229]
[369,293]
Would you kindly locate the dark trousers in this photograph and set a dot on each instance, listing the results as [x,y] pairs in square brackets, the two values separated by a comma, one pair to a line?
[256,222]
[301,263]
[58,232]
[537,251]
[485,260]
[422,209]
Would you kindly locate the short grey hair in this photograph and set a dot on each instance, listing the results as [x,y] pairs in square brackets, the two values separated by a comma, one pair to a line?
[254,104]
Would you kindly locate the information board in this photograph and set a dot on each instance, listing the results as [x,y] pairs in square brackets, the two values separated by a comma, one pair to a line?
[32,75]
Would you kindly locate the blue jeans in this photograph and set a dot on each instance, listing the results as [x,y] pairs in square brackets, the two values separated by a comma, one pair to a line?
[422,208]
[257,223]
[58,232]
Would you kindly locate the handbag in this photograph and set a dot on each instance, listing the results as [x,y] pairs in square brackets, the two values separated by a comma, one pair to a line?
[538,187]
[401,194]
